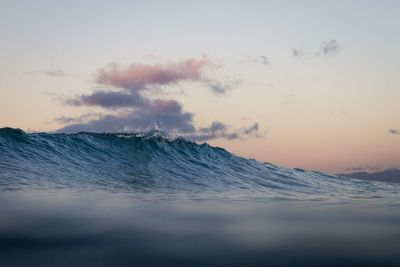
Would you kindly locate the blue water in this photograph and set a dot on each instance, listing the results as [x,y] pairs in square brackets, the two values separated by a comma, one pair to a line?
[148,199]
[152,162]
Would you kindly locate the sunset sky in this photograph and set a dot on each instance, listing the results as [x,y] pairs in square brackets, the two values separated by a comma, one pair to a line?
[309,84]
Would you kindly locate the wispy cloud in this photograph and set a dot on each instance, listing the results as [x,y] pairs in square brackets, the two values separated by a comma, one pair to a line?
[108,99]
[263,60]
[78,119]
[216,126]
[328,48]
[140,76]
[219,130]
[51,73]
[394,131]
[297,52]
[221,87]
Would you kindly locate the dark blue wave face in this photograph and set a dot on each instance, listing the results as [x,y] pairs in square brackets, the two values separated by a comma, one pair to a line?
[154,163]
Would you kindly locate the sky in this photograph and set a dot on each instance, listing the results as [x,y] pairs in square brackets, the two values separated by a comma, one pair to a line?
[308,84]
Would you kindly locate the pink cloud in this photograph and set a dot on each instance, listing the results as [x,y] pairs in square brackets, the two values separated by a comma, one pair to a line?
[139,76]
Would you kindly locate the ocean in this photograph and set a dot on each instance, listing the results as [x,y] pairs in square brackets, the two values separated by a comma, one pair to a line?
[149,199]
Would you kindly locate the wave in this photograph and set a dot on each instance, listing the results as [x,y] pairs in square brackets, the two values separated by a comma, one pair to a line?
[154,162]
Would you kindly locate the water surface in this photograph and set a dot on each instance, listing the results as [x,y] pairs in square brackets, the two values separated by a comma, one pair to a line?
[145,199]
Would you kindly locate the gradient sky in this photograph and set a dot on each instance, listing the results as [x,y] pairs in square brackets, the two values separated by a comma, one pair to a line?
[310,84]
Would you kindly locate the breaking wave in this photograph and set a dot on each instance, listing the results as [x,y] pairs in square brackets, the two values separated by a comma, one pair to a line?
[153,162]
